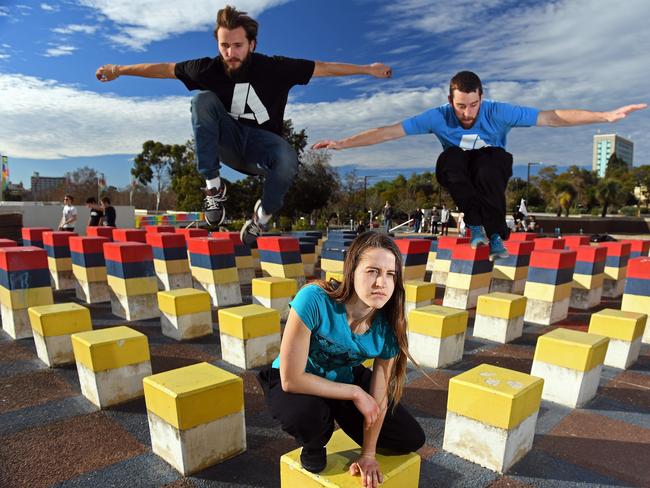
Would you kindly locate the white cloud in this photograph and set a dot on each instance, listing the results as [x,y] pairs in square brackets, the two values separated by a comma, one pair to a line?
[62,50]
[4,56]
[143,22]
[4,12]
[49,8]
[75,28]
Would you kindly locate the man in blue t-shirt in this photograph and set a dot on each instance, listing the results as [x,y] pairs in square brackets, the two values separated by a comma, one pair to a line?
[474,165]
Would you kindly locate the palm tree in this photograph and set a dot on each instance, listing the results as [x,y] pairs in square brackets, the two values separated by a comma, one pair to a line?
[565,193]
[608,191]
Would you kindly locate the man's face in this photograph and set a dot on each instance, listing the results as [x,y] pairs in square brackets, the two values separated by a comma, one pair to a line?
[466,107]
[234,48]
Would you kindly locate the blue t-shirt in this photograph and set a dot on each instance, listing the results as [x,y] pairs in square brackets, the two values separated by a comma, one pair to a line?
[494,121]
[333,349]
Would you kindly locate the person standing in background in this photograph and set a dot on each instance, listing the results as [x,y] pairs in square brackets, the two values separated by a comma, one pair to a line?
[69,216]
[96,212]
[109,212]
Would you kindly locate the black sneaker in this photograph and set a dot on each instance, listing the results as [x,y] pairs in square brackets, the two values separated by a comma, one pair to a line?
[252,229]
[215,213]
[313,460]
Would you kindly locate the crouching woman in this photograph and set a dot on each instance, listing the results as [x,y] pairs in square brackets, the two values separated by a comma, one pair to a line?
[318,377]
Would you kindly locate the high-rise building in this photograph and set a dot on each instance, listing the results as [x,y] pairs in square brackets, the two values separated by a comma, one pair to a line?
[607,144]
[48,186]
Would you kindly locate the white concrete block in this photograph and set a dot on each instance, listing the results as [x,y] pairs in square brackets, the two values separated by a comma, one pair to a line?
[54,350]
[134,307]
[435,352]
[113,386]
[546,313]
[92,292]
[15,322]
[250,353]
[567,386]
[188,326]
[221,295]
[279,304]
[622,354]
[463,299]
[498,329]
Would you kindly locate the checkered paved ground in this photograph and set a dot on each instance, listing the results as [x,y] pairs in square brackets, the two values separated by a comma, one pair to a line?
[50,435]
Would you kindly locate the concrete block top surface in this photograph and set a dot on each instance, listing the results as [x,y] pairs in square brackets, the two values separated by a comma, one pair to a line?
[8,243]
[617,324]
[519,248]
[55,238]
[130,235]
[59,319]
[210,246]
[22,258]
[639,268]
[496,396]
[574,241]
[231,236]
[193,395]
[274,287]
[127,252]
[166,240]
[465,252]
[617,248]
[413,246]
[639,245]
[157,229]
[399,471]
[34,233]
[184,301]
[501,305]
[249,321]
[446,242]
[438,321]
[278,244]
[192,232]
[100,231]
[549,243]
[553,259]
[104,349]
[419,291]
[522,236]
[572,349]
[88,245]
[590,254]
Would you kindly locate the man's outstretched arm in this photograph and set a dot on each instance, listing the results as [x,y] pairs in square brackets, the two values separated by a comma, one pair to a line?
[109,72]
[378,70]
[566,118]
[366,138]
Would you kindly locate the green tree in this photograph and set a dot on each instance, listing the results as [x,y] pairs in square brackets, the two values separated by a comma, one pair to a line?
[82,183]
[298,140]
[153,163]
[565,194]
[609,192]
[616,167]
[186,182]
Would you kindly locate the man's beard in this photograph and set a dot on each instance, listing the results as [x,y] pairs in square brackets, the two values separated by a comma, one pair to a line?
[238,74]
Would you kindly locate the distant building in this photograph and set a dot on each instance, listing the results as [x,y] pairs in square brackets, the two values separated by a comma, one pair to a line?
[607,144]
[45,187]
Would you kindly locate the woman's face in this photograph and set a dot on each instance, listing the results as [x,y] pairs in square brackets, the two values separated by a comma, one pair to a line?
[374,278]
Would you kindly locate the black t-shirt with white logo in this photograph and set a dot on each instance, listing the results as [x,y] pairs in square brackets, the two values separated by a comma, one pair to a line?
[259,98]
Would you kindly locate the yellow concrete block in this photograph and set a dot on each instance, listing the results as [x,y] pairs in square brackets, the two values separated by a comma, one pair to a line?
[89,275]
[216,276]
[547,293]
[614,273]
[133,286]
[25,298]
[571,349]
[274,287]
[467,281]
[174,266]
[419,291]
[59,264]
[283,270]
[244,262]
[401,471]
[635,303]
[308,258]
[329,275]
[59,319]
[587,282]
[249,321]
[104,349]
[414,272]
[617,324]
[437,321]
[193,395]
[331,265]
[184,301]
[509,272]
[495,396]
[442,265]
[501,305]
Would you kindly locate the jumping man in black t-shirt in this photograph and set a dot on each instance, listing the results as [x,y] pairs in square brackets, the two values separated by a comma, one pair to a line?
[237,117]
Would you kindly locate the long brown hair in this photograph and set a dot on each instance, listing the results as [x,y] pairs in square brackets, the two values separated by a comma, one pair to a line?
[394,308]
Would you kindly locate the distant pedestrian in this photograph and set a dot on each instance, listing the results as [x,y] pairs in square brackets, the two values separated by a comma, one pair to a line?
[96,212]
[109,212]
[388,216]
[444,220]
[69,215]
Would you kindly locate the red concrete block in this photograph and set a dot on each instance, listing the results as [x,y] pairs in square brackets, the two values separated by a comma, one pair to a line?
[446,242]
[192,233]
[573,242]
[22,258]
[413,246]
[210,246]
[553,258]
[58,239]
[232,236]
[640,246]
[106,232]
[590,254]
[522,236]
[465,252]
[127,252]
[639,268]
[34,233]
[157,229]
[617,248]
[8,243]
[278,244]
[130,235]
[549,243]
[166,240]
[519,248]
[88,245]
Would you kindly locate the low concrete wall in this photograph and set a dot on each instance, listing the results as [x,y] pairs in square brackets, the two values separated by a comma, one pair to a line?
[594,225]
[45,214]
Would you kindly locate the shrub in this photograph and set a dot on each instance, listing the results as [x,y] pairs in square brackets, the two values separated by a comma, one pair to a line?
[629,211]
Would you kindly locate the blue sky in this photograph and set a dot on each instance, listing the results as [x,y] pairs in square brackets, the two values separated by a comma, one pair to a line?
[557,54]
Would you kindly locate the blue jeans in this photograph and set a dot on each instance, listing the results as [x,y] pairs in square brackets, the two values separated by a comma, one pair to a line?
[222,139]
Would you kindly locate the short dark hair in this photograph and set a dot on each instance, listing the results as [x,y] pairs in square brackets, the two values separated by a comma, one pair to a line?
[91,200]
[466,82]
[69,197]
[230,18]
[106,200]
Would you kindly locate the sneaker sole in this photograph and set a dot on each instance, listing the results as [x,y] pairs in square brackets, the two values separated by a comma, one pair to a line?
[494,257]
[205,218]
